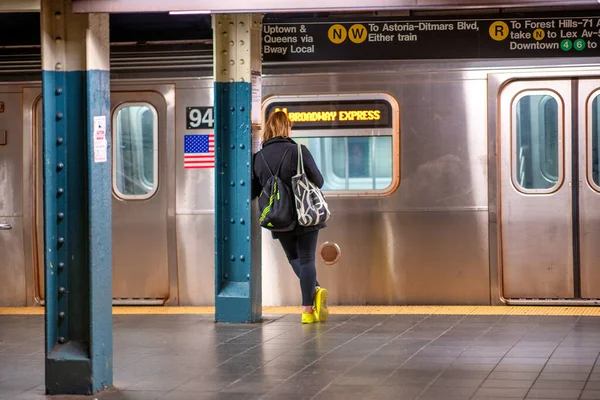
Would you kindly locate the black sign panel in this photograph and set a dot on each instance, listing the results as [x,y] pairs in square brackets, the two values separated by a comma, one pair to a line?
[411,39]
[346,114]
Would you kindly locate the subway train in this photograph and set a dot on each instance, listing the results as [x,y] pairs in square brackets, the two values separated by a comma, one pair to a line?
[465,181]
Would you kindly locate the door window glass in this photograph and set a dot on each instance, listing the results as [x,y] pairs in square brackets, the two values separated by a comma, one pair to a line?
[135,169]
[537,142]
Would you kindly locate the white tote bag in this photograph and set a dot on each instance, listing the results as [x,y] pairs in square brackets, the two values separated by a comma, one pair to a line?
[311,206]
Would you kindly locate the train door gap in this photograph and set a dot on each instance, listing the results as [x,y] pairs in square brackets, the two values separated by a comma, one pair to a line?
[575,187]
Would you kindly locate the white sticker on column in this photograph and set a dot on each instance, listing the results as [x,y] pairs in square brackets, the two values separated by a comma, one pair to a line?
[100,143]
[256,97]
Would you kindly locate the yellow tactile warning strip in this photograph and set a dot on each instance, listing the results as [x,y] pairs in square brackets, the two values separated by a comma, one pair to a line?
[349,310]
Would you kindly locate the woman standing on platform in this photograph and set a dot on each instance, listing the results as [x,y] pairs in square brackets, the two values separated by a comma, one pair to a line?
[279,153]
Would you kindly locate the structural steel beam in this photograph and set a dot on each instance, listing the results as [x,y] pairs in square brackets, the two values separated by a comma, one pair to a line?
[77,199]
[237,69]
[236,6]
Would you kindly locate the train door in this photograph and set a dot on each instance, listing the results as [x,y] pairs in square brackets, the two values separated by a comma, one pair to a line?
[142,265]
[588,101]
[140,222]
[550,189]
[12,227]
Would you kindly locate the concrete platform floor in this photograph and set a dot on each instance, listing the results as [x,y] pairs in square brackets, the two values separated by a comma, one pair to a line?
[424,357]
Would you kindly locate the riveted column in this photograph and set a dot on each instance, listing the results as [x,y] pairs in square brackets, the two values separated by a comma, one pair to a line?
[77,199]
[237,66]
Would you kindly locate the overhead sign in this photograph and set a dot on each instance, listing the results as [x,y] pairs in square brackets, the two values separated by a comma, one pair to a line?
[344,114]
[573,35]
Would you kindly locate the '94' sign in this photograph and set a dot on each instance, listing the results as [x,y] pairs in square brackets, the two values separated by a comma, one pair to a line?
[200,118]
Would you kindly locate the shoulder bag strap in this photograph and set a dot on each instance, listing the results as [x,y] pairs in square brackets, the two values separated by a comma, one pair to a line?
[300,167]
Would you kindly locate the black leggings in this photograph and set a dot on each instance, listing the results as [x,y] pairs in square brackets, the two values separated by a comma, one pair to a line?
[300,251]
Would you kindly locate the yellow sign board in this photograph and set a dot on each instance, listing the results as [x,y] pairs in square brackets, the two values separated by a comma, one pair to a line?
[345,114]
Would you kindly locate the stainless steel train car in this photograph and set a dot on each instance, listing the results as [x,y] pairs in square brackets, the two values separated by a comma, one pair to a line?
[483,188]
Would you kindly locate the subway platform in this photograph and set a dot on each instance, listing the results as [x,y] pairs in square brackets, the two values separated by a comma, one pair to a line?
[422,353]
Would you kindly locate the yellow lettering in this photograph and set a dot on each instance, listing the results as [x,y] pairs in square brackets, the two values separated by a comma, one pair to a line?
[312,116]
[332,116]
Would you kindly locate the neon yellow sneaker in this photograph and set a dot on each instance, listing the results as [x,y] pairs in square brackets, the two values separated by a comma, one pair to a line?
[309,318]
[321,304]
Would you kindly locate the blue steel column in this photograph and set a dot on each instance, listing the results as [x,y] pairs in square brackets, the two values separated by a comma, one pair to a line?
[77,199]
[237,243]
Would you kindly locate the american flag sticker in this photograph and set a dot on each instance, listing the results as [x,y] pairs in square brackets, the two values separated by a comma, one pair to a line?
[199,151]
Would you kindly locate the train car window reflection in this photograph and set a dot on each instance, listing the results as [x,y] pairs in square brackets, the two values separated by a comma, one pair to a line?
[549,138]
[353,163]
[595,133]
[135,171]
[537,142]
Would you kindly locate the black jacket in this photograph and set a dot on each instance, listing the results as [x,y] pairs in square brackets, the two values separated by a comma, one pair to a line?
[273,151]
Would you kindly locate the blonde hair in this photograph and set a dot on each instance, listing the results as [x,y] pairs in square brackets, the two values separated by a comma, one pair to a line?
[278,124]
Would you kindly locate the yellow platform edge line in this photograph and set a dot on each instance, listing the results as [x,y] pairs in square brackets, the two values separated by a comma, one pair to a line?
[348,310]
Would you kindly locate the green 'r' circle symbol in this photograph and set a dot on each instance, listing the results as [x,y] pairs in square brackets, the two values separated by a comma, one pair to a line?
[579,44]
[566,45]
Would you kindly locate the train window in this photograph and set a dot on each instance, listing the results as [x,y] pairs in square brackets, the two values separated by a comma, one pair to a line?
[595,134]
[352,137]
[352,163]
[135,151]
[537,150]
